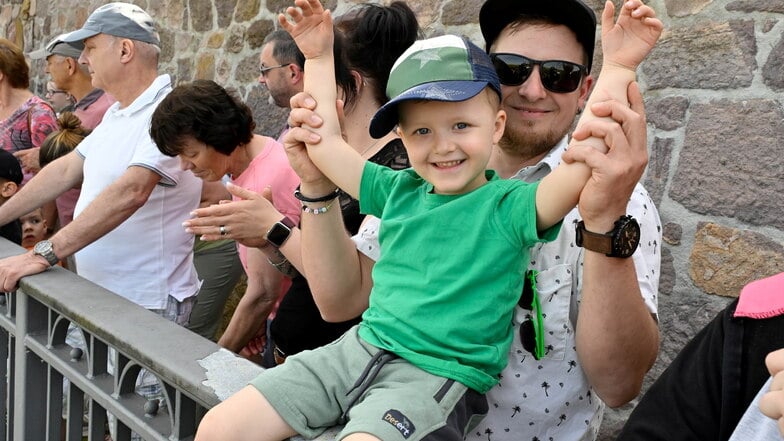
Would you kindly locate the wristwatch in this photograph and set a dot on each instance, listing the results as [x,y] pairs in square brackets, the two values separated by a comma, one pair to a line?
[45,249]
[621,241]
[280,232]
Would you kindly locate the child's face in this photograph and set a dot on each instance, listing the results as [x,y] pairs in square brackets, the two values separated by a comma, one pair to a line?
[33,228]
[449,143]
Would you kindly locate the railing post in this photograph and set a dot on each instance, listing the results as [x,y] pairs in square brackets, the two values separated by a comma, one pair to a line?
[30,385]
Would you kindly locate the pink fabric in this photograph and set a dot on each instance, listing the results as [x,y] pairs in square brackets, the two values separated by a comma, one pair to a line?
[92,115]
[271,169]
[762,298]
[21,131]
[65,206]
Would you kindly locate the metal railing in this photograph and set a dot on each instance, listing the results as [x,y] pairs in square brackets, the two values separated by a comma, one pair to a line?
[195,373]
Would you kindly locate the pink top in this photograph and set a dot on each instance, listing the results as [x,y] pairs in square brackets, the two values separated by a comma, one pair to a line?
[762,298]
[271,169]
[90,110]
[27,127]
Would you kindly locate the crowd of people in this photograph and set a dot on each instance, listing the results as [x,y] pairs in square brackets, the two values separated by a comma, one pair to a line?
[453,245]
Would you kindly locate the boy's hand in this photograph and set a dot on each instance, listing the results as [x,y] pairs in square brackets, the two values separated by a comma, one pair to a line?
[312,28]
[627,42]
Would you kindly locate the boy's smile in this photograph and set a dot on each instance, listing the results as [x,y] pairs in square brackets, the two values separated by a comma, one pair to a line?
[449,143]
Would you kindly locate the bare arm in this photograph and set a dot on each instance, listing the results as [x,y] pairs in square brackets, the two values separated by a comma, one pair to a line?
[55,179]
[617,337]
[312,30]
[111,208]
[255,305]
[338,275]
[625,44]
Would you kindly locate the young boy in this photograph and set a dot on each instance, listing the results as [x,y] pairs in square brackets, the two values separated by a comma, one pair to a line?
[33,228]
[455,243]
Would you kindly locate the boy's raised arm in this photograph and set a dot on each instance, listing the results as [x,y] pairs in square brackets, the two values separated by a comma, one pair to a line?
[625,44]
[313,32]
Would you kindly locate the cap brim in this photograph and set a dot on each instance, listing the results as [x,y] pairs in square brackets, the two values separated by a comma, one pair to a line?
[79,35]
[37,54]
[386,118]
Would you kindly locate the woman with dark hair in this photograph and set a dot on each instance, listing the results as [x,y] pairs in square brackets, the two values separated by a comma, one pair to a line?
[211,131]
[25,119]
[372,38]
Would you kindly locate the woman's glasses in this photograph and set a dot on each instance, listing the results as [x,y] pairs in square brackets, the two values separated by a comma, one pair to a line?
[532,329]
[556,76]
[50,92]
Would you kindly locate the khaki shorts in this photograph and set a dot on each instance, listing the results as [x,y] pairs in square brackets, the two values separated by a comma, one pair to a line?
[372,391]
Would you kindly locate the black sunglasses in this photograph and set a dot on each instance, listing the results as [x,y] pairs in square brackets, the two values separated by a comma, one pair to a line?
[532,329]
[557,76]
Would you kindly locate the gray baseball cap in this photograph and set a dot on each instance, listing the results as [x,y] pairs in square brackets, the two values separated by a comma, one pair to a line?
[58,46]
[123,20]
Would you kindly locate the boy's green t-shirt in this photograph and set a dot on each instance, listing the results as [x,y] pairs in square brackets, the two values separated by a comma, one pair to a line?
[450,273]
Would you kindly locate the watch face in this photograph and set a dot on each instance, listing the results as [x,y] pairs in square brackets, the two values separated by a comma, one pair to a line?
[42,247]
[627,239]
[278,234]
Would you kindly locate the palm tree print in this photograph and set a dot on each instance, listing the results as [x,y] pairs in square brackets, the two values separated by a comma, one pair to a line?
[515,411]
[562,419]
[488,432]
[546,387]
[572,365]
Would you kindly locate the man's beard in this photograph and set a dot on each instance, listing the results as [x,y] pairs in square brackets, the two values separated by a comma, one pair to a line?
[522,141]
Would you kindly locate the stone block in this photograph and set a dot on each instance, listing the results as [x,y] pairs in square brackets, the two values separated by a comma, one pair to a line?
[246,10]
[225,10]
[731,162]
[201,15]
[205,67]
[707,55]
[776,6]
[683,8]
[668,113]
[257,31]
[773,70]
[460,12]
[725,259]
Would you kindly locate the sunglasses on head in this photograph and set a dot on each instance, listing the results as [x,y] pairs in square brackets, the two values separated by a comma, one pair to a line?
[556,76]
[532,329]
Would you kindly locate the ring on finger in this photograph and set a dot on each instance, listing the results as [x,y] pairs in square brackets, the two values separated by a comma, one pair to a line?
[223,230]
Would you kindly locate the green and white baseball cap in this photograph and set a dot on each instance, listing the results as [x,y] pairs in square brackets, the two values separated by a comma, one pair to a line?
[445,68]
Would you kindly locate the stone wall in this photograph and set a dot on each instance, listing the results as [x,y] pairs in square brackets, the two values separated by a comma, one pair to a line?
[713,93]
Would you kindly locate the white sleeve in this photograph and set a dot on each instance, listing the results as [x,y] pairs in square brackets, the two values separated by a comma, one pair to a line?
[366,238]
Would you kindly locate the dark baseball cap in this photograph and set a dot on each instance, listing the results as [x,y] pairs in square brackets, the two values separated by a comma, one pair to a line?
[495,15]
[123,20]
[58,46]
[10,168]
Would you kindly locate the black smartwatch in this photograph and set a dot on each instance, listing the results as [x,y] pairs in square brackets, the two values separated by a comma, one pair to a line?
[280,232]
[621,241]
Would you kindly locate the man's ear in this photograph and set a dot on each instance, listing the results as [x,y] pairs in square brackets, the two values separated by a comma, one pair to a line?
[8,189]
[73,65]
[127,50]
[296,73]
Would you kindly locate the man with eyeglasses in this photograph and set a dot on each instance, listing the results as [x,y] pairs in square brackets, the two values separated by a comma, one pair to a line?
[281,68]
[587,330]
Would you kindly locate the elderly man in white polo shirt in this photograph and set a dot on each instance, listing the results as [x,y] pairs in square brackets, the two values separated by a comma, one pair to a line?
[126,230]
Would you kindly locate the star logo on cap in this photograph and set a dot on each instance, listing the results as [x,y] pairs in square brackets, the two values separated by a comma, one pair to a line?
[438,93]
[425,57]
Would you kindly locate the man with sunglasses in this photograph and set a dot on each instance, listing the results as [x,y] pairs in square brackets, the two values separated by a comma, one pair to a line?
[587,331]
